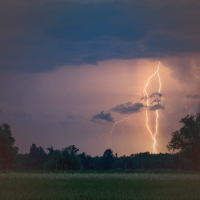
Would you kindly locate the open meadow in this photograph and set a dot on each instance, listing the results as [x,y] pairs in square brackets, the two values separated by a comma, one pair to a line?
[75,186]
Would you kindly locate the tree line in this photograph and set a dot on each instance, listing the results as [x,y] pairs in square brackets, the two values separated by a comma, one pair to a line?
[186,141]
[69,159]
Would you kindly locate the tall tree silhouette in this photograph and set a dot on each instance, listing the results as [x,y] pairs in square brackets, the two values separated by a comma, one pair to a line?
[108,159]
[7,149]
[37,157]
[187,139]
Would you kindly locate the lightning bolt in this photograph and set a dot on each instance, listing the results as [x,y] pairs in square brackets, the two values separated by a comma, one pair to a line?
[130,117]
[111,132]
[147,106]
[147,118]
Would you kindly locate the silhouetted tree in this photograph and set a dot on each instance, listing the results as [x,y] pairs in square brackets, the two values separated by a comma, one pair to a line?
[87,162]
[98,163]
[70,160]
[55,162]
[51,151]
[7,149]
[64,160]
[108,159]
[72,148]
[37,157]
[187,139]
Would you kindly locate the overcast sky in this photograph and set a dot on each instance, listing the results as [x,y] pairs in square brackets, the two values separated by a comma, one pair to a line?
[71,69]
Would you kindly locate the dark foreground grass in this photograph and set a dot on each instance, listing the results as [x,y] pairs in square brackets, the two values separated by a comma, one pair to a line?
[110,189]
[113,171]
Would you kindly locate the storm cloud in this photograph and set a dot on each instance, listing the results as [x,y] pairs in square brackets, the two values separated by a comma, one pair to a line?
[156,107]
[102,116]
[195,96]
[39,35]
[156,94]
[153,95]
[128,108]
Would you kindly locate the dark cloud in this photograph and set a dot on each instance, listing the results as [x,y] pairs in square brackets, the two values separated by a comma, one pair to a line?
[195,96]
[155,101]
[40,35]
[144,98]
[102,116]
[156,94]
[156,107]
[128,108]
[157,98]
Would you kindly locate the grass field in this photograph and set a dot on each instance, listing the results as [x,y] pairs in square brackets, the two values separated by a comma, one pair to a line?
[53,186]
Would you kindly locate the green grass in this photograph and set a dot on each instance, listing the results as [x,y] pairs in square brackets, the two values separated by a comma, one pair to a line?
[100,188]
[129,171]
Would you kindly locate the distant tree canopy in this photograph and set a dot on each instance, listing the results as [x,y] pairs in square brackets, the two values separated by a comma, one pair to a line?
[64,160]
[72,148]
[187,139]
[37,157]
[7,149]
[51,151]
